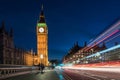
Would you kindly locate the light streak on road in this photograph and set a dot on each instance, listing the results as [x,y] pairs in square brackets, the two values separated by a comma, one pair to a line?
[104,38]
[107,36]
[107,32]
[104,51]
[104,69]
[112,38]
[92,74]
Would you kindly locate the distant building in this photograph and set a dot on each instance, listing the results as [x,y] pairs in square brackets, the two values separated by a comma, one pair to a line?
[6,46]
[70,56]
[76,53]
[9,54]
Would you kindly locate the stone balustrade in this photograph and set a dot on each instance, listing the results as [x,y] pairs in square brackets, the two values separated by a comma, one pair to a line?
[10,71]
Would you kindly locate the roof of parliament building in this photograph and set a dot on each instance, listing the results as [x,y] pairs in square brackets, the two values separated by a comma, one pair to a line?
[3,30]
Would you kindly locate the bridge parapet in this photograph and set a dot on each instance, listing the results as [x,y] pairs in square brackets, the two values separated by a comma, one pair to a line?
[13,70]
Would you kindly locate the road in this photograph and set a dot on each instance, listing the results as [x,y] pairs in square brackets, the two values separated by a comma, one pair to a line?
[72,74]
[89,74]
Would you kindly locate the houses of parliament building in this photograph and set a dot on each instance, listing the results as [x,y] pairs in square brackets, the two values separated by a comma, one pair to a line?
[9,54]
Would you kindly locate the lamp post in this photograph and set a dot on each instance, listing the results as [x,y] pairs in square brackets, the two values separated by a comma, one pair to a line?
[41,57]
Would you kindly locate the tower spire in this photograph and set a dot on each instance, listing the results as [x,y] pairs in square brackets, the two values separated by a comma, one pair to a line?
[42,17]
[42,7]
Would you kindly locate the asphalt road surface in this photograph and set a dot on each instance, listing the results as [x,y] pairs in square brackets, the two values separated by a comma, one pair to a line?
[84,74]
[71,74]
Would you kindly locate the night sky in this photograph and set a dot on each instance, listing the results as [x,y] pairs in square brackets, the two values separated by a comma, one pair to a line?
[68,21]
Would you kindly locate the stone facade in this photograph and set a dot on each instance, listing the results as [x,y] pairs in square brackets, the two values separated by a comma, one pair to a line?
[9,54]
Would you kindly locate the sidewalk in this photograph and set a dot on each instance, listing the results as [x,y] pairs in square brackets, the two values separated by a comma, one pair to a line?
[47,75]
[17,74]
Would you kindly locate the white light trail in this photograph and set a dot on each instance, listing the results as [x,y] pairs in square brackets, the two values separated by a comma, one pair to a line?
[104,51]
[114,27]
[104,69]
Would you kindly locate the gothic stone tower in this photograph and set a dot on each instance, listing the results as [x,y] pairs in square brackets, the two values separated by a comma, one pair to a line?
[6,46]
[42,40]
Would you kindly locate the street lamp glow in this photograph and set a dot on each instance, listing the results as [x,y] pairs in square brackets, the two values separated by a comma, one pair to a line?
[41,56]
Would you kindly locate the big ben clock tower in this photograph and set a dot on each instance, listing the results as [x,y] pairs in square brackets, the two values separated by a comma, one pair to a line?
[42,40]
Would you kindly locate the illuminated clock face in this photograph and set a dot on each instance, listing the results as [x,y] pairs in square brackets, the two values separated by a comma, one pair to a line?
[41,29]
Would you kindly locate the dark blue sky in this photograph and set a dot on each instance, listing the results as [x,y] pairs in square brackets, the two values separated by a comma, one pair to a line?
[68,21]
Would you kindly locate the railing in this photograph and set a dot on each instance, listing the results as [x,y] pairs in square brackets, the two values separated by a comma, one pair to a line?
[14,70]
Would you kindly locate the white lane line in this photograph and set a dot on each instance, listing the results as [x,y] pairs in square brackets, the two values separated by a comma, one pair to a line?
[116,70]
